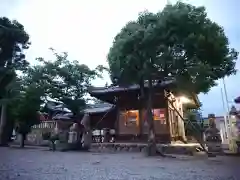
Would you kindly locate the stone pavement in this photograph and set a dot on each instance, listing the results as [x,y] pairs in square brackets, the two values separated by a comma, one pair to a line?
[40,164]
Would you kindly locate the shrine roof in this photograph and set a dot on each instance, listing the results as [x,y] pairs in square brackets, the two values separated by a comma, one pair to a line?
[98,108]
[102,90]
[109,94]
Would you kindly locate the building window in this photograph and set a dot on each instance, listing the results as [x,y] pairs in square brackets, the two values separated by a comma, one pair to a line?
[131,117]
[159,115]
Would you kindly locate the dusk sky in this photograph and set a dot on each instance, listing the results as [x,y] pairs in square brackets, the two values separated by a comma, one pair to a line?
[85,29]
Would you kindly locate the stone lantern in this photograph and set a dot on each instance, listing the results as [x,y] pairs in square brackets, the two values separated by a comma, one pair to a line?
[235,128]
[233,111]
[212,135]
[73,134]
[87,134]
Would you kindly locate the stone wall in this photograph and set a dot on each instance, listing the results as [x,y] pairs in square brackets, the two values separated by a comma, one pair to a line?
[34,138]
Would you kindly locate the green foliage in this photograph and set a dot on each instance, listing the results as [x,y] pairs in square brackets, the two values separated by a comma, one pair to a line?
[64,80]
[179,42]
[24,107]
[193,124]
[46,136]
[13,41]
[50,137]
[7,81]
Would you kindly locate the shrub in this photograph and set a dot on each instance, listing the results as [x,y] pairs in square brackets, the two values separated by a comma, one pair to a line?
[46,136]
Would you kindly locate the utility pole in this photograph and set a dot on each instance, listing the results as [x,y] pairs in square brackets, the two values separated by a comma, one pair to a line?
[226,96]
[229,122]
[226,131]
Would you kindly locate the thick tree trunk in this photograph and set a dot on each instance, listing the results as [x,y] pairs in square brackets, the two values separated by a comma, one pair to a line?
[3,129]
[53,145]
[142,98]
[10,126]
[22,140]
[87,135]
[152,148]
[87,140]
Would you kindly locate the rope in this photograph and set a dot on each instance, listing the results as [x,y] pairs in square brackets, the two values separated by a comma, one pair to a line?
[104,115]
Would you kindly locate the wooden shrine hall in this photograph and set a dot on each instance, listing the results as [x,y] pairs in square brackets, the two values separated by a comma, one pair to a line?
[167,111]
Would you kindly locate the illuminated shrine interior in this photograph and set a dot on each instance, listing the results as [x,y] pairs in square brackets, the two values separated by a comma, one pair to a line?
[132,116]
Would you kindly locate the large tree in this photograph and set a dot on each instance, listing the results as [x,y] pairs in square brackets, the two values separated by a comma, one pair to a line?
[13,41]
[61,79]
[65,80]
[24,107]
[180,42]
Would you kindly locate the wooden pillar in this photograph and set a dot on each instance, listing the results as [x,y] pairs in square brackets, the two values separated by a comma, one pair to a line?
[179,107]
[140,122]
[178,113]
[168,120]
[117,124]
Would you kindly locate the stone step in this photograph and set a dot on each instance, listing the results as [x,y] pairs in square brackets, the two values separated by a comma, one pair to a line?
[166,149]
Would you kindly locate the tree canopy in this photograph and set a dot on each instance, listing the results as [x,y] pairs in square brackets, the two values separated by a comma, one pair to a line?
[65,80]
[22,94]
[13,41]
[61,79]
[180,42]
[25,106]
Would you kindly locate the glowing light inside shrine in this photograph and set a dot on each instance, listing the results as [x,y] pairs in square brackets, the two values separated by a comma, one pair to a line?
[184,100]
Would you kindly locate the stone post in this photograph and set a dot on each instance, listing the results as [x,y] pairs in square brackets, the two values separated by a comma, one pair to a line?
[235,132]
[87,135]
[212,135]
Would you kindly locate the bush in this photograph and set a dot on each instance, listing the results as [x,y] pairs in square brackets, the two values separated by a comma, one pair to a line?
[46,136]
[49,136]
[54,137]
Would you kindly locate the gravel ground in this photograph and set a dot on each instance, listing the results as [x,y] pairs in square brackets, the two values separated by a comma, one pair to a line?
[40,164]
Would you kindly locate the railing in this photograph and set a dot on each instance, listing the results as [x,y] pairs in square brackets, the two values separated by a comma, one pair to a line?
[45,124]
